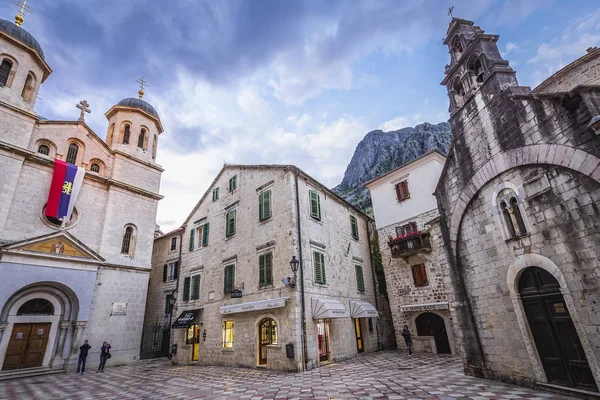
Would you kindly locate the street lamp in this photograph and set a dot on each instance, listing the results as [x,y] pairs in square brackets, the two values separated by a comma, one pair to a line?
[172,301]
[294,263]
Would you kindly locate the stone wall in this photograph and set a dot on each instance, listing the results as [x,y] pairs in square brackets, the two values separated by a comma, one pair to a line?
[583,71]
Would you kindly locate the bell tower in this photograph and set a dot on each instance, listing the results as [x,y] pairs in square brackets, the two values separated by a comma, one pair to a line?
[476,65]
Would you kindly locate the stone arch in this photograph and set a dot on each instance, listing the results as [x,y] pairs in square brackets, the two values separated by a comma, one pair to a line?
[65,297]
[553,154]
[519,194]
[13,68]
[99,163]
[80,150]
[257,323]
[513,274]
[444,315]
[46,142]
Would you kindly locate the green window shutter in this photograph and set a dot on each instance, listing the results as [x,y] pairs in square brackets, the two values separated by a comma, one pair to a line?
[195,287]
[269,268]
[319,261]
[186,289]
[261,271]
[232,183]
[323,264]
[229,278]
[360,280]
[267,204]
[192,239]
[261,202]
[354,225]
[232,222]
[205,231]
[315,205]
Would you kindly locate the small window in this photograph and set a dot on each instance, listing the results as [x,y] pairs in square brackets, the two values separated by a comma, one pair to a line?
[168,304]
[27,88]
[170,272]
[232,183]
[72,153]
[264,205]
[315,205]
[402,192]
[511,214]
[192,239]
[126,134]
[127,239]
[360,280]
[215,194]
[517,211]
[43,149]
[195,287]
[173,244]
[36,307]
[230,227]
[265,270]
[154,144]
[228,334]
[419,275]
[354,226]
[141,139]
[228,278]
[5,69]
[319,262]
[95,168]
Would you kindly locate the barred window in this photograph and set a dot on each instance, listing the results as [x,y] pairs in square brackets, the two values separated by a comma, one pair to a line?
[43,149]
[95,168]
[125,246]
[72,153]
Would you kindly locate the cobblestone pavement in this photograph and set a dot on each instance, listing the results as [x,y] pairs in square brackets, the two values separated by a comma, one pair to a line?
[383,375]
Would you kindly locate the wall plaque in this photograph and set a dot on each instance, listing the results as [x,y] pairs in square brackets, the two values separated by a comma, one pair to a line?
[119,309]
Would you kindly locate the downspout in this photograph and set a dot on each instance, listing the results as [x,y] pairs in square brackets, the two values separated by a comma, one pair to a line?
[176,290]
[304,345]
[369,226]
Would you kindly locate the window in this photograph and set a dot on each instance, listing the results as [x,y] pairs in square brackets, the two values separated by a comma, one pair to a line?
[457,45]
[511,214]
[95,168]
[402,192]
[43,149]
[192,238]
[154,144]
[126,134]
[230,223]
[191,288]
[354,226]
[319,262]
[407,229]
[36,307]
[215,193]
[459,92]
[173,244]
[315,205]
[360,280]
[232,183]
[27,88]
[141,139]
[514,204]
[205,233]
[228,334]
[228,278]
[201,234]
[170,271]
[476,68]
[507,219]
[109,136]
[265,270]
[126,245]
[168,304]
[419,275]
[72,153]
[264,205]
[5,68]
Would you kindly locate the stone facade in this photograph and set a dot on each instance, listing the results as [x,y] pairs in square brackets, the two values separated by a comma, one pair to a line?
[96,291]
[520,189]
[278,235]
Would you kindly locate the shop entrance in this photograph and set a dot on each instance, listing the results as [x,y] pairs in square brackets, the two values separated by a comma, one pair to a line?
[359,338]
[267,331]
[193,338]
[323,337]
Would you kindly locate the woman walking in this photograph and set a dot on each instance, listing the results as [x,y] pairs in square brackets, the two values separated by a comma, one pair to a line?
[407,339]
[104,355]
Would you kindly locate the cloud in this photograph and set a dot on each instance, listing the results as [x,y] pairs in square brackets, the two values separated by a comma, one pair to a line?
[509,48]
[515,11]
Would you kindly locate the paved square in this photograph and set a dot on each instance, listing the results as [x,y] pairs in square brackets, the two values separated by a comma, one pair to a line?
[382,375]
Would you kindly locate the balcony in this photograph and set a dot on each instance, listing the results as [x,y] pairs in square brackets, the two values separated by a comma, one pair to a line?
[410,244]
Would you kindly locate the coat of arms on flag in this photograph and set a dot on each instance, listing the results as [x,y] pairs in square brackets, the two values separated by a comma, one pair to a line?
[64,189]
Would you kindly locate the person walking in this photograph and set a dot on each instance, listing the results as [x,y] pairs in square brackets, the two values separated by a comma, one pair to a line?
[104,355]
[407,339]
[83,353]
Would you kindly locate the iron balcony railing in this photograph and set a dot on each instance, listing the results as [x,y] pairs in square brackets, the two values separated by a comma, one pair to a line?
[410,244]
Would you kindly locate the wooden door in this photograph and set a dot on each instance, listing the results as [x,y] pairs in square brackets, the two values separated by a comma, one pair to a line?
[27,346]
[267,331]
[430,324]
[553,332]
[359,338]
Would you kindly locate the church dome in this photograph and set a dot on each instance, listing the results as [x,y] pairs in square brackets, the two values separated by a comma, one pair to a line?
[21,35]
[138,103]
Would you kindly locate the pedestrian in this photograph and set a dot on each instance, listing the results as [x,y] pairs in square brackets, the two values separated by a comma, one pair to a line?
[83,353]
[104,355]
[407,339]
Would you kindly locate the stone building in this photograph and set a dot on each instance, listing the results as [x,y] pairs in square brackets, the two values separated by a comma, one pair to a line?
[237,300]
[519,202]
[86,278]
[405,212]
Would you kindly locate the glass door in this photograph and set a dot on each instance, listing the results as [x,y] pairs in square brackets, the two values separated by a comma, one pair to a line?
[323,338]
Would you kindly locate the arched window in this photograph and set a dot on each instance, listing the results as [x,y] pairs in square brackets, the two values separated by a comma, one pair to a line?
[109,137]
[5,69]
[72,153]
[28,88]
[95,168]
[518,217]
[128,244]
[154,143]
[507,219]
[457,47]
[459,92]
[476,68]
[126,134]
[43,149]
[141,138]
[512,217]
[36,307]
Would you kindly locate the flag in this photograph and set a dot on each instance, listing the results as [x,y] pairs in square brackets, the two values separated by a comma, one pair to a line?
[64,189]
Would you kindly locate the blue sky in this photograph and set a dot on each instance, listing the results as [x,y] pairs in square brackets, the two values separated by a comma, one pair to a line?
[295,82]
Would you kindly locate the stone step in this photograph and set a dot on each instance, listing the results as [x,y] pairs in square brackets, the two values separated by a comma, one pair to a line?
[569,391]
[28,372]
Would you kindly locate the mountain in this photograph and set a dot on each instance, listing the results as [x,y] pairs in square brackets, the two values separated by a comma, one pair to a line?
[380,152]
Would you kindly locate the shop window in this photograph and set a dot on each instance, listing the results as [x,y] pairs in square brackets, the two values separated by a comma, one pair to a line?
[228,334]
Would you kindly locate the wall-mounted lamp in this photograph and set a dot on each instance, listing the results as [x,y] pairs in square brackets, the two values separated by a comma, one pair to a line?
[291,282]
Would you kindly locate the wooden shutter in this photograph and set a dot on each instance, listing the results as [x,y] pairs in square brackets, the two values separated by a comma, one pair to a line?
[230,229]
[195,287]
[262,274]
[267,204]
[354,226]
[261,214]
[315,205]
[205,231]
[192,232]
[186,289]
[360,280]
[319,261]
[229,278]
[165,272]
[405,192]
[419,275]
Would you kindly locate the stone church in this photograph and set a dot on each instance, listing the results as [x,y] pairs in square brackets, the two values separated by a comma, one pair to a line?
[519,202]
[86,278]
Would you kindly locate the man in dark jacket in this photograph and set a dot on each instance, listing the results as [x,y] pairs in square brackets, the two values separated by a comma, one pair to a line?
[83,352]
[407,339]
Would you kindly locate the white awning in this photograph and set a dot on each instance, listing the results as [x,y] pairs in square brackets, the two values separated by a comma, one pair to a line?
[328,308]
[254,306]
[362,309]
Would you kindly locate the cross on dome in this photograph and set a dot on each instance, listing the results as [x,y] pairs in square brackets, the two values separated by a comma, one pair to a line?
[143,84]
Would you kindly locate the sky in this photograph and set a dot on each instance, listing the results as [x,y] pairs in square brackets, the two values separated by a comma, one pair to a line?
[279,81]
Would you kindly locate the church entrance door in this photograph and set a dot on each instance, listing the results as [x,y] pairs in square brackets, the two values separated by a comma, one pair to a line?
[555,336]
[430,324]
[27,346]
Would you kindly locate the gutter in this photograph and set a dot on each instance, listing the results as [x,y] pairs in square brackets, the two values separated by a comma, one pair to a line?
[304,346]
[369,225]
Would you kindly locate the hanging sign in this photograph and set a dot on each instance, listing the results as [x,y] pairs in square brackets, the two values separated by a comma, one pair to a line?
[236,294]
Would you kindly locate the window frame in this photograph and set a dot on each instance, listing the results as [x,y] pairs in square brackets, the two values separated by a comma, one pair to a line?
[126,133]
[228,334]
[127,241]
[407,229]
[265,263]
[228,230]
[262,215]
[70,155]
[172,271]
[354,227]
[419,275]
[315,213]
[8,74]
[232,184]
[227,289]
[360,282]
[173,243]
[168,308]
[402,191]
[193,295]
[321,266]
[215,194]
[45,146]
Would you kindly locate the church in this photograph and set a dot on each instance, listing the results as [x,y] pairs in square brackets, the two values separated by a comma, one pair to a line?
[82,274]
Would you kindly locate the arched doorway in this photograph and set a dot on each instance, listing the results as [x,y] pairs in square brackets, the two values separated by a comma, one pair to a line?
[430,324]
[554,334]
[267,334]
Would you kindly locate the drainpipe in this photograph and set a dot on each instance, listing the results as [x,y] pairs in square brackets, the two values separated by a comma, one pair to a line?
[304,349]
[369,226]
[176,290]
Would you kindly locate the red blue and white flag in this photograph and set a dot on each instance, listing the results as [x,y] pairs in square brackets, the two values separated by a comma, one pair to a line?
[64,189]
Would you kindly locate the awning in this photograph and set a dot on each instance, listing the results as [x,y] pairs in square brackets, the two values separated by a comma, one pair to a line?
[362,309]
[254,306]
[328,308]
[186,319]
